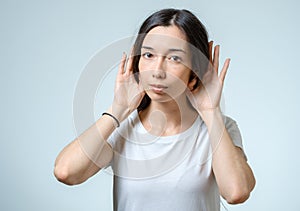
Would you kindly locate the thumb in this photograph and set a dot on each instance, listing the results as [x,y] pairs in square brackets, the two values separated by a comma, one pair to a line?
[190,95]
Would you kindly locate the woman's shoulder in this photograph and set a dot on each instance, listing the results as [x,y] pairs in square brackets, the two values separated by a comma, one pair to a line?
[129,124]
[229,121]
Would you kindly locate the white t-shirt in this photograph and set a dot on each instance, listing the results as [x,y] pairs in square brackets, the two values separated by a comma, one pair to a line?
[165,173]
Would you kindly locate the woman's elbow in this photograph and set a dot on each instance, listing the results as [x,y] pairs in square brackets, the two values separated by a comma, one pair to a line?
[63,175]
[239,194]
[237,197]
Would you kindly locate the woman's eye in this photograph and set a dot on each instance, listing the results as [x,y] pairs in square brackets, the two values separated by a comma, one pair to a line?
[147,55]
[175,58]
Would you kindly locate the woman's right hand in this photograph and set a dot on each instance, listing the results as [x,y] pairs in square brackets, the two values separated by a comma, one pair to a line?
[128,93]
[90,152]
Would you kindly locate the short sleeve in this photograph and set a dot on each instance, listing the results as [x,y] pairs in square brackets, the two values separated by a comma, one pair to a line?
[234,132]
[116,138]
[111,139]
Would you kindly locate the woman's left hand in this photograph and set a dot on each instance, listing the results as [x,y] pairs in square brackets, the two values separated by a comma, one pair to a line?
[208,95]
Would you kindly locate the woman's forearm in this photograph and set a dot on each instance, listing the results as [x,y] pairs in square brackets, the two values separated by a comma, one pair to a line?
[234,177]
[88,153]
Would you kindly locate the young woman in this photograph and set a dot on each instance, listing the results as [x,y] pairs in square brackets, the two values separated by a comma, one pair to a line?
[165,137]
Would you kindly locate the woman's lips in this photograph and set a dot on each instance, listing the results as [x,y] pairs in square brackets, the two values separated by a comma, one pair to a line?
[157,88]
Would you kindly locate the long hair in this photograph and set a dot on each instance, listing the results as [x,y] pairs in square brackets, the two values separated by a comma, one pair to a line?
[196,36]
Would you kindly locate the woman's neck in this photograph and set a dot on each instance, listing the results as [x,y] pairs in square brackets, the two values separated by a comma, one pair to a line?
[168,118]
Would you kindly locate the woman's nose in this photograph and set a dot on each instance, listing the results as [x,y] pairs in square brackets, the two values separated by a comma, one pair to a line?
[158,71]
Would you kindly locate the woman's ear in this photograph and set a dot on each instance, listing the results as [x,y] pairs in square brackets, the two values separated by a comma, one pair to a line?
[192,83]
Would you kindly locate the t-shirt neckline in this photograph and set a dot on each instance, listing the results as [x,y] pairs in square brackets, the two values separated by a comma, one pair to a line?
[176,137]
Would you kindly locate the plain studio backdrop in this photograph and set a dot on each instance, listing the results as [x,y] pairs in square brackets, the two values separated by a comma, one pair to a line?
[45,45]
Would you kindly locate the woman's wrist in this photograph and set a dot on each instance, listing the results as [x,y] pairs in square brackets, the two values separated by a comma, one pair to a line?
[210,113]
[119,112]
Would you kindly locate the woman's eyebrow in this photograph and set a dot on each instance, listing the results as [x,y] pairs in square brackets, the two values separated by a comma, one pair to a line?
[170,50]
[177,49]
[147,47]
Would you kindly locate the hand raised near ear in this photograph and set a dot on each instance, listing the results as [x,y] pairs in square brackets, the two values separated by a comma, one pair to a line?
[208,95]
[128,93]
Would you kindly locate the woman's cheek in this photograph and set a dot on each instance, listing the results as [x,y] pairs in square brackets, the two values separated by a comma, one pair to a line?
[144,79]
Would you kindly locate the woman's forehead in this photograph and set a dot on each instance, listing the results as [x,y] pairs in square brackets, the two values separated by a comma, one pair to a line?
[166,37]
[172,31]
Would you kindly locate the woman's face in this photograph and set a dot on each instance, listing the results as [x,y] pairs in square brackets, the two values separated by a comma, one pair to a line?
[165,63]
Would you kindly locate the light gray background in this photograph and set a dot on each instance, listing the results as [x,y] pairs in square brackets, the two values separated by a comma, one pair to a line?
[44,46]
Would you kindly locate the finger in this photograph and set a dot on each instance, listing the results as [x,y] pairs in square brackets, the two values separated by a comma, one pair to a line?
[210,46]
[129,63]
[122,64]
[216,58]
[224,70]
[190,95]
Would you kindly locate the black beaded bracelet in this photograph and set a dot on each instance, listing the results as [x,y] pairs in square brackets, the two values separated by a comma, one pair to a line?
[112,116]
